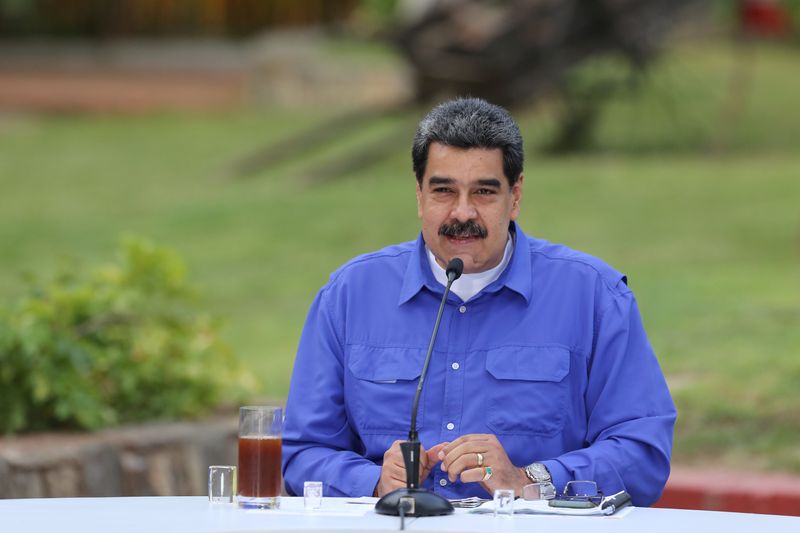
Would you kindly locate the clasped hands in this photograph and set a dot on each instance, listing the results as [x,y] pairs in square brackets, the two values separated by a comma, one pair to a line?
[460,459]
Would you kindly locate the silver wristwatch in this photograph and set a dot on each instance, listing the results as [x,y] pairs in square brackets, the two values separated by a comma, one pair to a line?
[539,474]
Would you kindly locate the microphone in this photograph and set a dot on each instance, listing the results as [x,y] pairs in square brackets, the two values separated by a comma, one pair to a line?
[413,499]
[454,270]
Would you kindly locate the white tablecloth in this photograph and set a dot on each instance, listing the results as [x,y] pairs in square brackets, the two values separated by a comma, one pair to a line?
[196,514]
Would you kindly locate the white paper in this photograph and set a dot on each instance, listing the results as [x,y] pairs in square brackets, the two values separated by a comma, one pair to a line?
[543,507]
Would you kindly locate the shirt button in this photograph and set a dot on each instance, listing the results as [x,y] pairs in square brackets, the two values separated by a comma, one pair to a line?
[462,309]
[450,425]
[455,366]
[443,482]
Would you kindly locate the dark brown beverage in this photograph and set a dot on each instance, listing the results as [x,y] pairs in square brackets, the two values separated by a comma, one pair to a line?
[260,467]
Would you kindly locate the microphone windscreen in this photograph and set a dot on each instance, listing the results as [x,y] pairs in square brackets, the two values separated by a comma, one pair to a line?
[454,268]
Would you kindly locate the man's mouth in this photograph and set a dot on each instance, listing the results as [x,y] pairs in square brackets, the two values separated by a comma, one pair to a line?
[462,240]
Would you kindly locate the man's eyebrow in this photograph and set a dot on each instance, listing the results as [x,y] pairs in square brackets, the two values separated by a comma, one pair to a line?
[437,180]
[484,182]
[489,182]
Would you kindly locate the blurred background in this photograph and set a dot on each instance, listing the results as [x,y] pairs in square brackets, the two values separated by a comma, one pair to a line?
[178,178]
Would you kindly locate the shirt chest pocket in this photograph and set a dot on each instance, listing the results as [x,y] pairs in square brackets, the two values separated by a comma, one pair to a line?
[382,387]
[527,393]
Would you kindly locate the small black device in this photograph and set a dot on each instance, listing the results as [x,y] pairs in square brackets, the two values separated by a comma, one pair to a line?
[569,503]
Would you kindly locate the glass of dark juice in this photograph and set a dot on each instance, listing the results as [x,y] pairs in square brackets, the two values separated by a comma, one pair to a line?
[260,456]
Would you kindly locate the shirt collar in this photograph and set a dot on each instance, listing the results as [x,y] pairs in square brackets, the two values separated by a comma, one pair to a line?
[517,276]
[418,273]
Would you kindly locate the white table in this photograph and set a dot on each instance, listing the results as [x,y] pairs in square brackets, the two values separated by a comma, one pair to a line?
[195,514]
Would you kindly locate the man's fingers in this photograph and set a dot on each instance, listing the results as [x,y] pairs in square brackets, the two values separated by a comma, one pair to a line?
[468,450]
[473,475]
[433,453]
[396,470]
[393,471]
[394,465]
[472,437]
[464,444]
[429,458]
[463,463]
[399,477]
[393,450]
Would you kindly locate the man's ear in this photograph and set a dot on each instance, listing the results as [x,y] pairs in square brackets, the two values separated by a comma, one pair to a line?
[516,194]
[419,198]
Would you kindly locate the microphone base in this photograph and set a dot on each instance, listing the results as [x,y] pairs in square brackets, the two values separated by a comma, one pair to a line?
[424,503]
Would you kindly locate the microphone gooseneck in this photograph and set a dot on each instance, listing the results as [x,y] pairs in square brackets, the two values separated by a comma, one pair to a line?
[454,270]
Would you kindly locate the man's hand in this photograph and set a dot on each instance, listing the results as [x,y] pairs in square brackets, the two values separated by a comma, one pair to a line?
[460,459]
[393,471]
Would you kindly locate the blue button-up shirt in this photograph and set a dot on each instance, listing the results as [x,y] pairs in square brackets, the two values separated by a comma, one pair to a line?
[551,358]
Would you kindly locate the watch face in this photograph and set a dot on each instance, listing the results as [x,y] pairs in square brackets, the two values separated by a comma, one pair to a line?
[539,472]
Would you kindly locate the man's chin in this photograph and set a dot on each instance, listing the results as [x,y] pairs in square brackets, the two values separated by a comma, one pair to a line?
[467,252]
[471,266]
[466,249]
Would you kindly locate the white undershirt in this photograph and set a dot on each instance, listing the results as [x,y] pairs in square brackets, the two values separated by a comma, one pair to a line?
[468,285]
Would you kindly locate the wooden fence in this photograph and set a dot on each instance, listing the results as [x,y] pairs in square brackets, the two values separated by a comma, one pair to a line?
[132,18]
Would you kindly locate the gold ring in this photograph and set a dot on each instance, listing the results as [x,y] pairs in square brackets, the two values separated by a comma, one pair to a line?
[487,473]
[480,458]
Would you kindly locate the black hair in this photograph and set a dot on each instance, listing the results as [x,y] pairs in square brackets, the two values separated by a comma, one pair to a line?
[470,123]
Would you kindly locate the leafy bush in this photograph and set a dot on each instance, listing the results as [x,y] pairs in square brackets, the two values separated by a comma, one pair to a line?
[122,343]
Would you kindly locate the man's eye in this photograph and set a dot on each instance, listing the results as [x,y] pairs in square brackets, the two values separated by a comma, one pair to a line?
[441,190]
[485,191]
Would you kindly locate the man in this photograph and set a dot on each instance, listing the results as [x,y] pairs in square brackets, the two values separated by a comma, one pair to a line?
[541,372]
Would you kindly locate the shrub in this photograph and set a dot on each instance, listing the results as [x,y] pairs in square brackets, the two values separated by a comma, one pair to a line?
[124,342]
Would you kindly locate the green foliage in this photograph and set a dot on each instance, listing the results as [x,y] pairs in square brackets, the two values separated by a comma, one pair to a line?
[122,343]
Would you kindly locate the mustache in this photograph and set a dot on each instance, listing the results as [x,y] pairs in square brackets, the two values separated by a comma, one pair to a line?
[462,230]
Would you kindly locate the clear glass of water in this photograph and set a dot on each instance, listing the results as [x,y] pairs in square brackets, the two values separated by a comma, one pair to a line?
[221,483]
[312,494]
[504,503]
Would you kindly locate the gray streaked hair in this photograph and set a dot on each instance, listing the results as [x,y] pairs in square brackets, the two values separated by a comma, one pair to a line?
[470,123]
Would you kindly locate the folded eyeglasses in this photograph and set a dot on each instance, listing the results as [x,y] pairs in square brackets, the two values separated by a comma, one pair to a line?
[582,491]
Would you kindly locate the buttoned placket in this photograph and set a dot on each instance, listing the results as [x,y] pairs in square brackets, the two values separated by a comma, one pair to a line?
[457,341]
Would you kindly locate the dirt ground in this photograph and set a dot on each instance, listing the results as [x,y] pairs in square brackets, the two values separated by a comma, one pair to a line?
[284,69]
[99,91]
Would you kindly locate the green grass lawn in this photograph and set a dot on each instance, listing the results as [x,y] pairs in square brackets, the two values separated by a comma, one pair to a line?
[699,206]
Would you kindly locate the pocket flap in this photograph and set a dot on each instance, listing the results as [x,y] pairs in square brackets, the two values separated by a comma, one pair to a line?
[386,364]
[528,363]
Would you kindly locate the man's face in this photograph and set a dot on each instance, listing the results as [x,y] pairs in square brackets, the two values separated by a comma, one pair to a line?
[466,205]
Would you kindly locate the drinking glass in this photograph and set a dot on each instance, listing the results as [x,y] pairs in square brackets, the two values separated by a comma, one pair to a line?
[221,483]
[538,491]
[312,494]
[260,442]
[504,502]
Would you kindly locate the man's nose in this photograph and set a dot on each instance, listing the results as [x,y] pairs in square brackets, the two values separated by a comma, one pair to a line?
[463,210]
